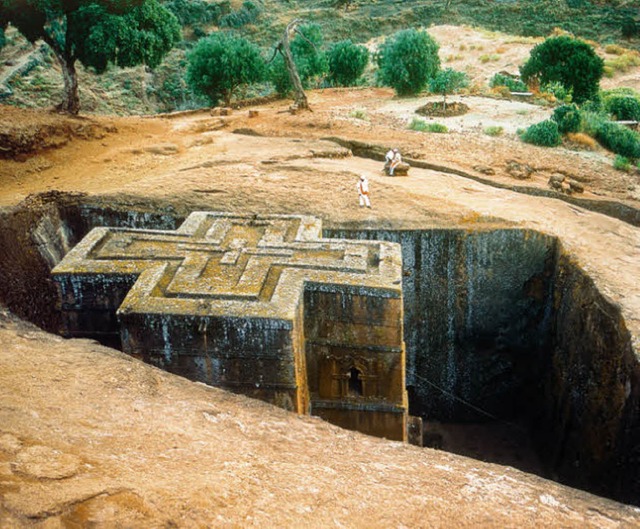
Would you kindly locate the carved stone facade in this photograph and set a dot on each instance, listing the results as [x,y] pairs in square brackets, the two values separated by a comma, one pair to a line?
[261,305]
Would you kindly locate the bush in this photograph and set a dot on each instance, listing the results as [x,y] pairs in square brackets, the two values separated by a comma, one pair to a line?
[568,118]
[346,62]
[512,83]
[310,61]
[621,163]
[421,125]
[559,91]
[494,130]
[407,60]
[190,12]
[623,108]
[247,14]
[221,63]
[545,134]
[571,62]
[618,139]
[629,28]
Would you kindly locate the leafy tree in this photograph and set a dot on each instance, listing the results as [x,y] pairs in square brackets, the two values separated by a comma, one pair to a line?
[94,32]
[347,62]
[448,81]
[221,63]
[407,60]
[307,55]
[566,60]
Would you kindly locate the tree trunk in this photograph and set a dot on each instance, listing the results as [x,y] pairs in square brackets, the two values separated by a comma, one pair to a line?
[71,102]
[300,97]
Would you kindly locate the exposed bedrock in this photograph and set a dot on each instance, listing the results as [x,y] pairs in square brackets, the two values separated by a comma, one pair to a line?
[502,319]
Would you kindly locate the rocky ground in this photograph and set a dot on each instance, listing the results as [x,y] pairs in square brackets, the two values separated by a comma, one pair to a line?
[91,438]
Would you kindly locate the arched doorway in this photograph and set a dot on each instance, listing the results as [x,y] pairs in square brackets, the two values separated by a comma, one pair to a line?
[355,382]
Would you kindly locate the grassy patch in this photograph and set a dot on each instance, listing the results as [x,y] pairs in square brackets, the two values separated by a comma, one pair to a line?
[622,163]
[494,130]
[420,125]
[359,114]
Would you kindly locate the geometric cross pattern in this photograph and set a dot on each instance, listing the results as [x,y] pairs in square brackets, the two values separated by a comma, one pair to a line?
[231,264]
[261,305]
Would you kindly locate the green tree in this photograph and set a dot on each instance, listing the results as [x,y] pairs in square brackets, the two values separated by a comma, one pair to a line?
[566,60]
[94,32]
[347,62]
[407,61]
[448,81]
[310,61]
[221,63]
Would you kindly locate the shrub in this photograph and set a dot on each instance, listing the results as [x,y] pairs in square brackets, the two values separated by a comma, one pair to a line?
[247,14]
[358,114]
[417,124]
[221,63]
[623,107]
[571,62]
[512,83]
[618,139]
[448,81]
[545,134]
[559,91]
[629,27]
[190,12]
[488,58]
[407,60]
[310,61]
[346,62]
[591,122]
[494,130]
[421,125]
[622,163]
[437,128]
[568,118]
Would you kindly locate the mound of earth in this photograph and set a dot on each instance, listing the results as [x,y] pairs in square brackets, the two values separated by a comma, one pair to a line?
[445,110]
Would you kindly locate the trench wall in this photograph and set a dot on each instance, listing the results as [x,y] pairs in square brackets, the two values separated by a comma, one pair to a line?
[587,414]
[477,317]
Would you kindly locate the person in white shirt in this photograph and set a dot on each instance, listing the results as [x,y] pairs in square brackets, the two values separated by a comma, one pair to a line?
[388,158]
[363,191]
[395,161]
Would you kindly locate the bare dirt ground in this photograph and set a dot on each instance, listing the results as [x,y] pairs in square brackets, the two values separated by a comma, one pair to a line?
[89,438]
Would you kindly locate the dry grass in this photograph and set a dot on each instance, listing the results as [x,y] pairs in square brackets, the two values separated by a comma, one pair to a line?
[582,141]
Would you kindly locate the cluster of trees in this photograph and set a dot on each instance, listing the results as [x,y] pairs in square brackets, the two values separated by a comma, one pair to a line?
[97,33]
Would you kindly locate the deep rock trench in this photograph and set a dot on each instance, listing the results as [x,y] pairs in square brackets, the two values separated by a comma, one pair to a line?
[502,328]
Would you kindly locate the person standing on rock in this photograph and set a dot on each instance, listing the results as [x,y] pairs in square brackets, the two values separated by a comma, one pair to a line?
[363,191]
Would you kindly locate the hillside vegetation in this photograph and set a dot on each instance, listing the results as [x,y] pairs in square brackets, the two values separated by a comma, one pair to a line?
[29,76]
